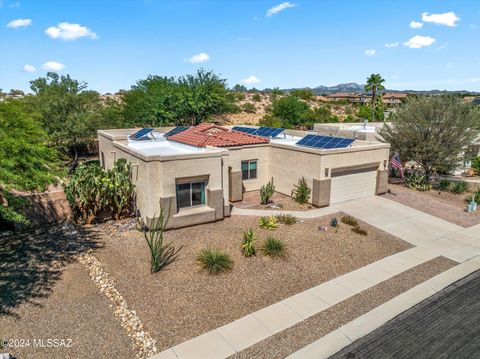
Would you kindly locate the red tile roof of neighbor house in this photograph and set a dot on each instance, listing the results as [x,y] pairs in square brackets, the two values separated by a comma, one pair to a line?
[208,134]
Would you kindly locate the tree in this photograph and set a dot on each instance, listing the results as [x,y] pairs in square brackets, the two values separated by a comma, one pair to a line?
[364,112]
[432,131]
[304,94]
[68,111]
[26,162]
[239,88]
[290,110]
[321,115]
[374,85]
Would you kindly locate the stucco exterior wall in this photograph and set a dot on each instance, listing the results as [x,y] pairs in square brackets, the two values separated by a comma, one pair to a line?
[259,153]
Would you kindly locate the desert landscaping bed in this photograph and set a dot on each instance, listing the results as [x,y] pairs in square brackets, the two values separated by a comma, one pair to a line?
[441,204]
[302,334]
[251,200]
[182,301]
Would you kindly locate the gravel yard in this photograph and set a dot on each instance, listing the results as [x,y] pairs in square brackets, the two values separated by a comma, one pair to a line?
[182,302]
[300,335]
[444,205]
[251,200]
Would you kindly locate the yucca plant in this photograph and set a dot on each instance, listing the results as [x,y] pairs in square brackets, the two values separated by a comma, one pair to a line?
[273,247]
[248,245]
[459,187]
[443,184]
[268,222]
[214,261]
[266,192]
[161,254]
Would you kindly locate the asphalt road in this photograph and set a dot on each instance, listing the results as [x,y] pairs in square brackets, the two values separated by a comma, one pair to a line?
[446,325]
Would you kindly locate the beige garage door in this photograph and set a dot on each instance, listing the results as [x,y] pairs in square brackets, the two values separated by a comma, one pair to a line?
[354,185]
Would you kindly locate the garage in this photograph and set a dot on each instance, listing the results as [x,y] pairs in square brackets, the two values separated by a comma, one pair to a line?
[350,184]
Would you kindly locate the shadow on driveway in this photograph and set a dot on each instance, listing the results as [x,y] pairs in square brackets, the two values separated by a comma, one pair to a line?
[31,261]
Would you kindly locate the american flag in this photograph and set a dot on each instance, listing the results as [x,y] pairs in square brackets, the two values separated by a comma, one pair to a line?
[396,163]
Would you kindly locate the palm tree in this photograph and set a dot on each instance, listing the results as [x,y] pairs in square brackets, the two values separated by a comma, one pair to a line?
[374,84]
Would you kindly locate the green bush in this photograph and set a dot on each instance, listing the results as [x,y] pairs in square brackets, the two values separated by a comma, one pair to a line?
[418,182]
[459,187]
[301,192]
[91,190]
[248,107]
[257,97]
[350,221]
[268,222]
[359,230]
[475,196]
[444,184]
[214,261]
[248,245]
[266,192]
[273,247]
[476,165]
[287,219]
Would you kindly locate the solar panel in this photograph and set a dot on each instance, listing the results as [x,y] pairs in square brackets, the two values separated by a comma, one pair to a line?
[325,142]
[249,130]
[262,131]
[176,130]
[269,131]
[140,134]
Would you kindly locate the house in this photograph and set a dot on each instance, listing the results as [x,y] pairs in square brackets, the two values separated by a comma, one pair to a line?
[394,98]
[194,173]
[366,131]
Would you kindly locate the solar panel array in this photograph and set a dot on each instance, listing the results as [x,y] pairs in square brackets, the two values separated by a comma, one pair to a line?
[140,134]
[326,142]
[176,130]
[262,131]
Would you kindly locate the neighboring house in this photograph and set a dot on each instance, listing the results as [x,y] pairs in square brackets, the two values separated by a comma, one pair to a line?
[365,131]
[195,173]
[476,101]
[388,98]
[394,98]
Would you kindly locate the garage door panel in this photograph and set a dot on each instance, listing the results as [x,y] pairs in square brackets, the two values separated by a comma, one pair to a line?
[351,186]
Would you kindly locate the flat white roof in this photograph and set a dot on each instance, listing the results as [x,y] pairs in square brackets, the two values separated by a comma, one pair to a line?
[161,146]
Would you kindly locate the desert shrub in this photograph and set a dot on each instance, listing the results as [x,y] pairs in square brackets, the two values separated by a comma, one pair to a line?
[350,221]
[475,196]
[214,261]
[248,107]
[287,219]
[359,230]
[443,184]
[418,182]
[273,247]
[91,190]
[301,191]
[266,192]
[161,254]
[334,222]
[257,97]
[239,96]
[248,245]
[268,222]
[476,165]
[459,187]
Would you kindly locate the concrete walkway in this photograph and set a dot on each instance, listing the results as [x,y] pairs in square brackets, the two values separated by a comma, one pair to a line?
[432,237]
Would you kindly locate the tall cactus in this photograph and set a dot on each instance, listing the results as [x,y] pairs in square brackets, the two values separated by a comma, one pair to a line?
[266,192]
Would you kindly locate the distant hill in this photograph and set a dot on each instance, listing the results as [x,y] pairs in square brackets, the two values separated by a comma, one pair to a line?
[353,87]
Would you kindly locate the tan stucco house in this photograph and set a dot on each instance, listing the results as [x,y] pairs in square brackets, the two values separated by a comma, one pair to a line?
[195,173]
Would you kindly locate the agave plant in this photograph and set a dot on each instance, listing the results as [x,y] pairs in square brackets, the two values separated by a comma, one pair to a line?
[248,245]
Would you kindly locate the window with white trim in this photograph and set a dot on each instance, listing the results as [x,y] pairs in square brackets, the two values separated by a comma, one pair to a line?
[190,194]
[249,170]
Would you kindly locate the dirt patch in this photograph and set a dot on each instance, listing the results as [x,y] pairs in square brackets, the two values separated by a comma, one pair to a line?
[251,200]
[302,334]
[444,205]
[182,302]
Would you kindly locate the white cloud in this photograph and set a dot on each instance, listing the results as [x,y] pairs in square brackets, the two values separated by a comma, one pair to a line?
[370,52]
[447,18]
[14,24]
[418,41]
[280,7]
[250,80]
[29,68]
[201,57]
[391,45]
[68,31]
[416,24]
[53,66]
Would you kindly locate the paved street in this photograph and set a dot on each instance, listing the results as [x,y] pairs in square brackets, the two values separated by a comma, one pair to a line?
[447,325]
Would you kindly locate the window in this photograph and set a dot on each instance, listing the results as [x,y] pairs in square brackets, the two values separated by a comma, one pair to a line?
[190,194]
[249,170]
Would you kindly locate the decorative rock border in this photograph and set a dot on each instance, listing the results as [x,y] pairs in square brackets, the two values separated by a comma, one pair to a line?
[143,343]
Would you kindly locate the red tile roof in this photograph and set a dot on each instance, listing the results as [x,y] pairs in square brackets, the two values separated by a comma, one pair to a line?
[208,134]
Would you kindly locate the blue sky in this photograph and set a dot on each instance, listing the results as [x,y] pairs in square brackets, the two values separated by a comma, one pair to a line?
[112,44]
